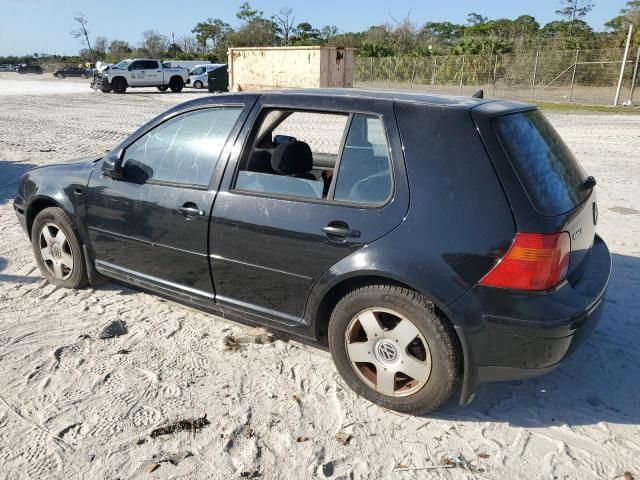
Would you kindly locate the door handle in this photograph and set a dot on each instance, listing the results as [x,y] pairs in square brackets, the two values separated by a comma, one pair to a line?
[190,211]
[340,230]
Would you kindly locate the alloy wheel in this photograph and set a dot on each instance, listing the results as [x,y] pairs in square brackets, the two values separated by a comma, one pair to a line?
[388,352]
[55,251]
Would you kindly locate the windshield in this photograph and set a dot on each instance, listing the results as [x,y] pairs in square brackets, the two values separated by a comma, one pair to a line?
[122,65]
[546,167]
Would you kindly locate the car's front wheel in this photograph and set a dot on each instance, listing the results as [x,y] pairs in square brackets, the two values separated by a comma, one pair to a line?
[57,249]
[391,347]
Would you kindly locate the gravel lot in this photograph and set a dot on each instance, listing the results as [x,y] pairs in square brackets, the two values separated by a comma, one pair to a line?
[72,405]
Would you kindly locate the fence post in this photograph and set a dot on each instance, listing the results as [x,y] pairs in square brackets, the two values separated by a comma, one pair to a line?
[433,74]
[371,73]
[495,68]
[533,81]
[624,64]
[413,75]
[633,79]
[573,75]
[461,74]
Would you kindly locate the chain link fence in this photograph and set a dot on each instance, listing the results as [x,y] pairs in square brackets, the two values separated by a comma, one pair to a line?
[582,76]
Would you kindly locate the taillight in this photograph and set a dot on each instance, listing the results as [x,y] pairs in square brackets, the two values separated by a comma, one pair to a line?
[533,262]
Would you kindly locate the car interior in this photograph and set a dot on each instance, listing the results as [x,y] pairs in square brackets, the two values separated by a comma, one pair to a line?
[299,161]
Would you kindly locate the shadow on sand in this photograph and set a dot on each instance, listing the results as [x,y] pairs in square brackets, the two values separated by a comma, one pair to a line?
[10,173]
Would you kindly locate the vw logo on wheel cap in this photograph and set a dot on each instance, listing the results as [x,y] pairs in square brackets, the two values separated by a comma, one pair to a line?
[386,351]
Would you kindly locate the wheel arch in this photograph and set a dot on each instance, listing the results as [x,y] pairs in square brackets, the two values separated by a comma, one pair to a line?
[320,311]
[119,78]
[38,204]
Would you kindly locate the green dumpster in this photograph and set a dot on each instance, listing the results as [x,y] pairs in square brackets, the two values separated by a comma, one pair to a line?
[218,79]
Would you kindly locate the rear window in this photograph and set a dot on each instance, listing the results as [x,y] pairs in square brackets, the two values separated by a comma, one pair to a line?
[546,167]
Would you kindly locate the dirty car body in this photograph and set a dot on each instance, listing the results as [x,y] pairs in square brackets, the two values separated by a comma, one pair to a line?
[455,215]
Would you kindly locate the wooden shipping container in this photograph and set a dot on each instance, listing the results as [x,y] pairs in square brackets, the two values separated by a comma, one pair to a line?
[290,67]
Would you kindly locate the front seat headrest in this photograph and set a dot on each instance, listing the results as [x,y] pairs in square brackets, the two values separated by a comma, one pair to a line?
[292,158]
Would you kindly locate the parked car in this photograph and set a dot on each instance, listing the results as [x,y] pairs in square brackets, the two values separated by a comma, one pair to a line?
[430,242]
[188,64]
[200,74]
[30,69]
[72,72]
[7,68]
[139,72]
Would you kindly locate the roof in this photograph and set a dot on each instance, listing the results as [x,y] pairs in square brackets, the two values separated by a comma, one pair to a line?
[464,102]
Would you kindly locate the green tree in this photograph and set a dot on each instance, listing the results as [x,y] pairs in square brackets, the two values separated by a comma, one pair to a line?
[154,43]
[119,49]
[476,19]
[573,11]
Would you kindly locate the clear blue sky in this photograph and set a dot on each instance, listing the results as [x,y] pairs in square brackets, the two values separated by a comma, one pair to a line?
[28,26]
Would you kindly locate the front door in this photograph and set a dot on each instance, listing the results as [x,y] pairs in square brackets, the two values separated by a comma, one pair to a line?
[152,225]
[311,187]
[145,72]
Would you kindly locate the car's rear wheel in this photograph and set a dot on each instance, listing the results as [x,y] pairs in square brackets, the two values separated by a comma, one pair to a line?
[176,84]
[391,347]
[57,249]
[197,84]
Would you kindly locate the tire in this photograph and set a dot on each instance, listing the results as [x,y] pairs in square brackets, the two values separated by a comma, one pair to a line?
[58,252]
[426,347]
[60,75]
[176,84]
[118,85]
[163,88]
[197,84]
[84,76]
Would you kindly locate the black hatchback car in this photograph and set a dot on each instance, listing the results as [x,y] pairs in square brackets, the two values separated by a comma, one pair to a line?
[431,242]
[37,69]
[72,72]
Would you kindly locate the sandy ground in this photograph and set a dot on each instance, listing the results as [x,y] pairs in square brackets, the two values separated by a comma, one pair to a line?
[75,406]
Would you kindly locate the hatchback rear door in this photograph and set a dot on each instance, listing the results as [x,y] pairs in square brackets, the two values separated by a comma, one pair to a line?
[548,190]
[276,225]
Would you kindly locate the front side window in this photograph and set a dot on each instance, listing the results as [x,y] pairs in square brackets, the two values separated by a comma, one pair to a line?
[198,71]
[301,154]
[183,150]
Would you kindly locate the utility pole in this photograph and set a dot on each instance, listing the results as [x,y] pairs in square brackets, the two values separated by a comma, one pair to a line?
[624,64]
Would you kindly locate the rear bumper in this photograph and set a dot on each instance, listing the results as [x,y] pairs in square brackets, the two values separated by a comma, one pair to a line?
[508,335]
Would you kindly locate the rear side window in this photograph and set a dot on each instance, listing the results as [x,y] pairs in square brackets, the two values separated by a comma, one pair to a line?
[546,167]
[364,175]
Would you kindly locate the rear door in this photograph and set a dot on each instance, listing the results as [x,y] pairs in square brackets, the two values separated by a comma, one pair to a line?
[316,180]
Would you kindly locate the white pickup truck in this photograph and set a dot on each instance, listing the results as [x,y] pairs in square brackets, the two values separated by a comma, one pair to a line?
[139,72]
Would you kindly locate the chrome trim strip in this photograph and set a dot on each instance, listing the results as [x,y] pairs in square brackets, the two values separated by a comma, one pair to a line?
[253,265]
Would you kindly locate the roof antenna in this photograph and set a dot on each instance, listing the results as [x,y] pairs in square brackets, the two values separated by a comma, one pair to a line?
[478,94]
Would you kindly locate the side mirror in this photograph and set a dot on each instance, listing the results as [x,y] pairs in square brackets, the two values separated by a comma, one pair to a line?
[129,68]
[112,166]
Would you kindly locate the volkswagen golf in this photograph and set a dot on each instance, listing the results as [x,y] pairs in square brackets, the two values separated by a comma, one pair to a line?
[431,243]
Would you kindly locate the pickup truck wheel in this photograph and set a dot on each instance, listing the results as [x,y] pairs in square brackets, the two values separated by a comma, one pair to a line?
[57,249]
[197,84]
[176,84]
[119,85]
[391,347]
[163,88]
